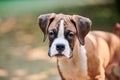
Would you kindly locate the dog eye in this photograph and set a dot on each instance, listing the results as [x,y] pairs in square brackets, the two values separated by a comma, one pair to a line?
[51,34]
[71,35]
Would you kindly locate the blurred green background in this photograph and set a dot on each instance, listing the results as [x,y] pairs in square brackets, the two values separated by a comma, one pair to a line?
[23,55]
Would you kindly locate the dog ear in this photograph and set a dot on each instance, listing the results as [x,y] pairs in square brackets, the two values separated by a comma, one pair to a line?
[44,21]
[82,25]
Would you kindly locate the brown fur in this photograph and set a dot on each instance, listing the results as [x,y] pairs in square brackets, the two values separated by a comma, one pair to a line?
[114,46]
[116,30]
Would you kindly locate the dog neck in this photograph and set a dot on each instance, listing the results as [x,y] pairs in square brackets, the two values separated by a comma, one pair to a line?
[77,65]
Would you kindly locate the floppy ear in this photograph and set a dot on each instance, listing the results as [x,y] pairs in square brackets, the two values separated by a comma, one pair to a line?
[44,22]
[82,25]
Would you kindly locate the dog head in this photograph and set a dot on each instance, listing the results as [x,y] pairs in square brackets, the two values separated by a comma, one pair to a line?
[62,31]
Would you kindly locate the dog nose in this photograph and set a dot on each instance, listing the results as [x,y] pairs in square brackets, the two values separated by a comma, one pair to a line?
[60,47]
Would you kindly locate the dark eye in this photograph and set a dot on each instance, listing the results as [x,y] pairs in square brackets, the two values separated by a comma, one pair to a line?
[70,35]
[51,34]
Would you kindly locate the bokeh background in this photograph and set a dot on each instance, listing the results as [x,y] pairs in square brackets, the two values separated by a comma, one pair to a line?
[23,54]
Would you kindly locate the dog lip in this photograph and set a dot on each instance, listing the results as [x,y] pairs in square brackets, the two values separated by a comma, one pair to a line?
[59,55]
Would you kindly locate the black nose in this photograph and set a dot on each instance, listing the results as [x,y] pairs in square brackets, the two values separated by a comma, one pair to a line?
[60,47]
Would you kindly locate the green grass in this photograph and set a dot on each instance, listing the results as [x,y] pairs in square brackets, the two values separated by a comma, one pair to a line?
[103,16]
[18,7]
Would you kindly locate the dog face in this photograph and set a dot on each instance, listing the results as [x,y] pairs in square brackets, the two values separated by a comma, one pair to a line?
[62,31]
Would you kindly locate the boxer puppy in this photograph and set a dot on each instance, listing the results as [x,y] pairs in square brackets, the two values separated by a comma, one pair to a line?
[80,56]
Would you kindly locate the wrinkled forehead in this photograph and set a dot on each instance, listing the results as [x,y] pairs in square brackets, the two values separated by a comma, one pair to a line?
[66,22]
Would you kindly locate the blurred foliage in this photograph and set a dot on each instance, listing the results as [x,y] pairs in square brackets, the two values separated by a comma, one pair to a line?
[102,14]
[18,7]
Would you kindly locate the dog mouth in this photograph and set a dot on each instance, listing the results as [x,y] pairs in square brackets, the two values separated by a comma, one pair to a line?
[56,55]
[60,55]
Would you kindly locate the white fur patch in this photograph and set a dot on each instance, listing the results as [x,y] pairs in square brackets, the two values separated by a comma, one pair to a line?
[61,29]
[83,57]
[60,40]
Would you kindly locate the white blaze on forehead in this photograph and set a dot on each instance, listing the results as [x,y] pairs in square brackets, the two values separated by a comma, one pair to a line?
[61,29]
